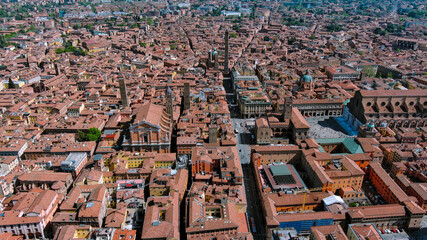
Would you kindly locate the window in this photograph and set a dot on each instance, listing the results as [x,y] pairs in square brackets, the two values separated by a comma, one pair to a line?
[383,104]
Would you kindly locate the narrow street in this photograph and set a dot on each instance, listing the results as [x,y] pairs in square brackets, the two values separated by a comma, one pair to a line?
[254,209]
[244,139]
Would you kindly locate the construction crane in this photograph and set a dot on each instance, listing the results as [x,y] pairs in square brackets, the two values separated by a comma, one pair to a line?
[305,191]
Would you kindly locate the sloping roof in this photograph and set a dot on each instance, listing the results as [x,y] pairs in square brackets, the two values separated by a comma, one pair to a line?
[386,93]
[350,143]
[298,120]
[150,113]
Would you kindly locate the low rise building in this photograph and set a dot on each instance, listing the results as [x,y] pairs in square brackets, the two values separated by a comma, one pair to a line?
[56,181]
[385,185]
[328,232]
[268,154]
[29,213]
[342,73]
[88,202]
[74,163]
[363,231]
[296,203]
[161,219]
[213,219]
[397,108]
[219,165]
[408,215]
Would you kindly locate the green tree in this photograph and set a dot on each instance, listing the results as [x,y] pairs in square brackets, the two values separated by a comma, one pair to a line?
[59,51]
[292,40]
[93,134]
[369,71]
[31,29]
[233,35]
[81,136]
[312,37]
[93,9]
[79,52]
[4,41]
[143,44]
[19,17]
[150,21]
[2,67]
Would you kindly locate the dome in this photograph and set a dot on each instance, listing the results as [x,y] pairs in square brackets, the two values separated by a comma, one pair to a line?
[307,77]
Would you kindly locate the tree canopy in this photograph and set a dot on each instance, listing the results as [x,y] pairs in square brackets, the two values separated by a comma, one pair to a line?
[93,134]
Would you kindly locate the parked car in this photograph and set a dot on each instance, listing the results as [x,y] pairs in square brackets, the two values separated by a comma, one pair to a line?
[382,231]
